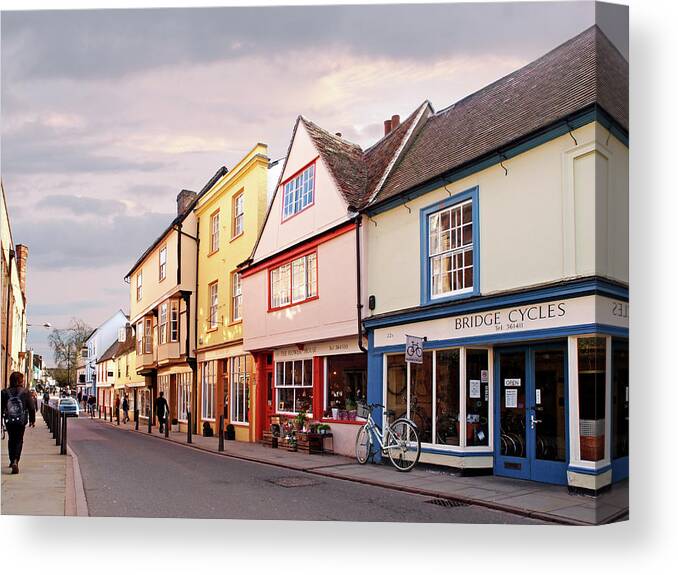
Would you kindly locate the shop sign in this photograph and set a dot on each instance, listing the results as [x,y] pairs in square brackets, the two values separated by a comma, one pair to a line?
[309,350]
[414,349]
[545,315]
[512,382]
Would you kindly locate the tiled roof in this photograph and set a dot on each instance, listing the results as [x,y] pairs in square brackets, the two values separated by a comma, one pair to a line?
[118,348]
[583,71]
[357,172]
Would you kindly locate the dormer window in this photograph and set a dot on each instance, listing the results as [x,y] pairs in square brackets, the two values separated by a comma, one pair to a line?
[298,192]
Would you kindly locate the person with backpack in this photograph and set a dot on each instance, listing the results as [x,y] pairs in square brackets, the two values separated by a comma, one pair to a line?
[125,409]
[16,405]
[161,411]
[91,404]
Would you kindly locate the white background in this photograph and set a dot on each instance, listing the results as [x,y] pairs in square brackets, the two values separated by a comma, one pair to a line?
[645,544]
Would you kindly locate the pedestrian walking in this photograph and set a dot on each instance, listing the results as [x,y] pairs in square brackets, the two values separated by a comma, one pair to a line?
[125,409]
[17,409]
[161,411]
[34,399]
[80,397]
[117,405]
[90,403]
[45,397]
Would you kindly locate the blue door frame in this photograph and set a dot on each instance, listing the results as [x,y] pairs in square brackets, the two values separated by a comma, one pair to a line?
[529,467]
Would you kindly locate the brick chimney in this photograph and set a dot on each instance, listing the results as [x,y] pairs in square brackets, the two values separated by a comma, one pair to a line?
[395,122]
[21,262]
[184,200]
[387,127]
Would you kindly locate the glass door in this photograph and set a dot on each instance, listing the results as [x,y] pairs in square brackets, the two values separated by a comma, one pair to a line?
[511,445]
[531,435]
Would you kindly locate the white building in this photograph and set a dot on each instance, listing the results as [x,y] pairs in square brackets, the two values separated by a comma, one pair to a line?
[97,343]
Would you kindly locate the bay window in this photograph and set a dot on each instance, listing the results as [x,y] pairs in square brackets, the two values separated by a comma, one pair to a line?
[174,321]
[140,337]
[298,192]
[148,335]
[240,395]
[294,385]
[294,282]
[162,323]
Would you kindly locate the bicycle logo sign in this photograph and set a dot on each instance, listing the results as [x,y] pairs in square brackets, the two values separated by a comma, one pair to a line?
[414,349]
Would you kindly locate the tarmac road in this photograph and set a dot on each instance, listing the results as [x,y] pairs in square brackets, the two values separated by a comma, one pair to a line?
[132,475]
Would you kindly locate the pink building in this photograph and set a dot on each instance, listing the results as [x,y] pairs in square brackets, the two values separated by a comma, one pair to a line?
[302,306]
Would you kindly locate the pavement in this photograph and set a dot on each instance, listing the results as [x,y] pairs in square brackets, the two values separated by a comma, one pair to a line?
[47,482]
[549,503]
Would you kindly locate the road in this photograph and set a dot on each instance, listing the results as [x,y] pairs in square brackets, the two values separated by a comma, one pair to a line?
[132,475]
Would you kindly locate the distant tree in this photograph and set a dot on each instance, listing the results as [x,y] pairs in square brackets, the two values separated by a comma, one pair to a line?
[66,345]
[60,375]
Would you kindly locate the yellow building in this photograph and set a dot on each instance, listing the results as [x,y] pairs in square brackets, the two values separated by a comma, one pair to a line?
[228,217]
[128,382]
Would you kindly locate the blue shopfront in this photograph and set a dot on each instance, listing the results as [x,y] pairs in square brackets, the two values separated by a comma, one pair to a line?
[531,385]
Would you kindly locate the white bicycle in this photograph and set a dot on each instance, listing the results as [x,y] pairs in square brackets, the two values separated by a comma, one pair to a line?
[399,440]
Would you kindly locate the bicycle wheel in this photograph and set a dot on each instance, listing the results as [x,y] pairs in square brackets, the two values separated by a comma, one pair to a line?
[403,445]
[363,445]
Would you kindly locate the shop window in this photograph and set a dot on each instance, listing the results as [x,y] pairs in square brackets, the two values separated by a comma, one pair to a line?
[591,373]
[421,396]
[145,402]
[346,383]
[294,385]
[240,395]
[396,384]
[447,397]
[209,378]
[620,398]
[184,395]
[477,397]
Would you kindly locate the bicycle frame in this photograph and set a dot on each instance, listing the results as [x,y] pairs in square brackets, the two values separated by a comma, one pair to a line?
[380,435]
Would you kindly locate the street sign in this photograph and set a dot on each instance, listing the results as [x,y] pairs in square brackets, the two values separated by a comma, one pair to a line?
[414,349]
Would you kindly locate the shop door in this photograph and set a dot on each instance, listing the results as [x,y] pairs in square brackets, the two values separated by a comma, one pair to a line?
[531,415]
[270,391]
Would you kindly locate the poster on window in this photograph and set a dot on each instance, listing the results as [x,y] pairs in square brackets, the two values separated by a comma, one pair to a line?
[511,398]
[474,389]
[512,382]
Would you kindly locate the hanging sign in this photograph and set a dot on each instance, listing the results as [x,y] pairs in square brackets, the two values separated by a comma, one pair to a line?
[511,398]
[515,382]
[474,389]
[414,349]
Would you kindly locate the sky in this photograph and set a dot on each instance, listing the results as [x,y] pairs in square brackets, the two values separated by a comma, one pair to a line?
[108,114]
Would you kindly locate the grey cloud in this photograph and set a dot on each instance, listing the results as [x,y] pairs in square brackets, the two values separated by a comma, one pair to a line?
[85,243]
[81,205]
[105,43]
[60,309]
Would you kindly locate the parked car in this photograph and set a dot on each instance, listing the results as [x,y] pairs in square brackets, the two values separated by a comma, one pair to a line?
[69,407]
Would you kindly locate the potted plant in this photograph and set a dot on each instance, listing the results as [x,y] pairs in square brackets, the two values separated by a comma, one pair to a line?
[352,409]
[323,428]
[175,425]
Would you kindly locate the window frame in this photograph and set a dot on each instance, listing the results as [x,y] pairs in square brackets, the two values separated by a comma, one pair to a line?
[426,296]
[234,381]
[163,310]
[184,381]
[208,403]
[173,329]
[162,265]
[214,232]
[290,292]
[277,386]
[140,282]
[148,336]
[213,308]
[298,174]
[234,297]
[237,216]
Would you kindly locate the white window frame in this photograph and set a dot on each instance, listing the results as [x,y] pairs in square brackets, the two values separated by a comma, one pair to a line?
[236,297]
[208,382]
[214,304]
[162,323]
[140,281]
[174,321]
[184,381]
[284,291]
[436,253]
[148,335]
[238,214]
[298,192]
[162,263]
[239,378]
[284,385]
[214,232]
[140,337]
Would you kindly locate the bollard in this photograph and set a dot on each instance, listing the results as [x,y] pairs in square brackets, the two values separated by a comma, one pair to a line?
[167,425]
[149,423]
[221,432]
[136,420]
[64,433]
[189,433]
[117,416]
[110,414]
[99,409]
[53,428]
[57,428]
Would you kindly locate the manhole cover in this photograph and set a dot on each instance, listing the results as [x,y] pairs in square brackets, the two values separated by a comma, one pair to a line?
[295,481]
[447,502]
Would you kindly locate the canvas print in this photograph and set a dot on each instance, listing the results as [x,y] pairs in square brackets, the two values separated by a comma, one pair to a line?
[351,263]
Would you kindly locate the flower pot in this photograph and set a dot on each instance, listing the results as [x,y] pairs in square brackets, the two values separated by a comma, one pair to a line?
[335,413]
[352,415]
[343,414]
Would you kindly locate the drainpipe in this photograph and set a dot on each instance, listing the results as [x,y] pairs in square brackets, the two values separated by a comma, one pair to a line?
[9,298]
[359,304]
